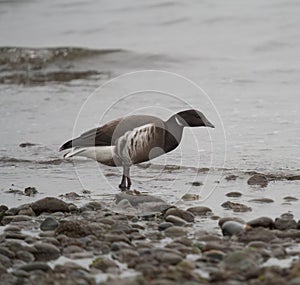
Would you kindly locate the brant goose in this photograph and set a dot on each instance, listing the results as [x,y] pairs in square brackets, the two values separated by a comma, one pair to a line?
[134,139]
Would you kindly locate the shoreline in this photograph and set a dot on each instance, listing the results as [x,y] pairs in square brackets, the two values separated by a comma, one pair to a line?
[98,243]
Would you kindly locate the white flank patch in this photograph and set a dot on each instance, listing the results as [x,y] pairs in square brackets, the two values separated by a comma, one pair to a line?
[98,153]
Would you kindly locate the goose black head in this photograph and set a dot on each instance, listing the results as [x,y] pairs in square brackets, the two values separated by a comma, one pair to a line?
[192,118]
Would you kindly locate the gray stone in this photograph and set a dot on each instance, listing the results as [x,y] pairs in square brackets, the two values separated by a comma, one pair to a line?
[242,261]
[35,266]
[190,197]
[290,199]
[5,261]
[170,258]
[116,237]
[175,220]
[256,234]
[49,224]
[163,226]
[20,218]
[262,200]
[135,200]
[175,231]
[27,212]
[21,273]
[104,264]
[25,256]
[285,222]
[74,229]
[231,228]
[234,194]
[258,180]
[5,251]
[200,210]
[236,207]
[185,215]
[46,252]
[126,255]
[91,206]
[225,219]
[30,191]
[264,222]
[215,254]
[72,249]
[49,205]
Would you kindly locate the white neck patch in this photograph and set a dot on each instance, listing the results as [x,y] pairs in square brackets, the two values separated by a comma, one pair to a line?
[178,122]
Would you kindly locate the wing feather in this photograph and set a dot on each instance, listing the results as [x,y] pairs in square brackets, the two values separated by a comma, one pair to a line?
[109,133]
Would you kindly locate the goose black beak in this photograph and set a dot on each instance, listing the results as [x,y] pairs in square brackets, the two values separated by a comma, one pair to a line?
[209,124]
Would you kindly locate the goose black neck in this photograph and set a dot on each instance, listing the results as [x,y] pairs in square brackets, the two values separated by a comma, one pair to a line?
[173,134]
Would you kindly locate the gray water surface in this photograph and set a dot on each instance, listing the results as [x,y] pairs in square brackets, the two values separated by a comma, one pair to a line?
[245,55]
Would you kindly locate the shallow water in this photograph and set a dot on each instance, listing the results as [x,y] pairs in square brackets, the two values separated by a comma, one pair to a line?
[245,56]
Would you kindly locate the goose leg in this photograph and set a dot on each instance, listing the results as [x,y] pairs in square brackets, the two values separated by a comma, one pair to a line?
[125,178]
[122,186]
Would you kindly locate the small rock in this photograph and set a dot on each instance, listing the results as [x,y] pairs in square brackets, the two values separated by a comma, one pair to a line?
[234,194]
[25,256]
[258,245]
[262,200]
[200,211]
[175,220]
[256,234]
[185,215]
[91,206]
[20,218]
[104,264]
[231,228]
[190,197]
[135,200]
[26,144]
[242,261]
[21,273]
[259,180]
[196,183]
[236,207]
[49,205]
[3,209]
[5,251]
[2,270]
[46,252]
[49,224]
[231,177]
[164,226]
[290,199]
[215,254]
[296,269]
[75,229]
[170,258]
[27,212]
[126,255]
[30,191]
[175,231]
[116,237]
[71,249]
[285,222]
[264,222]
[225,219]
[5,261]
[35,266]
[293,177]
[71,196]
